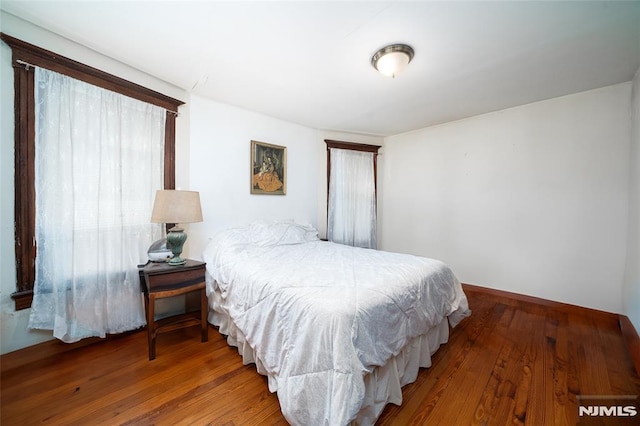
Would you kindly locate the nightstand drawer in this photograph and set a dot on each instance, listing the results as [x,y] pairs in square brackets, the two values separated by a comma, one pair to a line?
[181,278]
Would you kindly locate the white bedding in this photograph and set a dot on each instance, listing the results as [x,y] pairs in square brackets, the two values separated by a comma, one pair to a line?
[319,317]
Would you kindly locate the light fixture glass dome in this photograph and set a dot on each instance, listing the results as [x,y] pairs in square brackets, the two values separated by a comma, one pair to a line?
[392,59]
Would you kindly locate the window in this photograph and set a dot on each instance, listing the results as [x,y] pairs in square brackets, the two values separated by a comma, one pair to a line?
[351,193]
[24,57]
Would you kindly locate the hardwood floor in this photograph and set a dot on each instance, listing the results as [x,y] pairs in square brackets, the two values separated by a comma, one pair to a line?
[516,360]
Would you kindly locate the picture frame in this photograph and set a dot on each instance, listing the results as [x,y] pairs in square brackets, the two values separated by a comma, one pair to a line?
[268,168]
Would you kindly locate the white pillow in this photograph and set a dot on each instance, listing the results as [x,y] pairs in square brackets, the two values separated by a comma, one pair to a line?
[272,233]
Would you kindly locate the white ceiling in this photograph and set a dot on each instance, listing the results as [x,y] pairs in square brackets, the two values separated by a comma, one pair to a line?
[308,62]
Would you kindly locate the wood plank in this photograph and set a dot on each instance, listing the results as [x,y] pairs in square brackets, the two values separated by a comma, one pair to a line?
[513,361]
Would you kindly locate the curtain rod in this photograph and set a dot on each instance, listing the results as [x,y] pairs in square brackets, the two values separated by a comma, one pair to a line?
[28,65]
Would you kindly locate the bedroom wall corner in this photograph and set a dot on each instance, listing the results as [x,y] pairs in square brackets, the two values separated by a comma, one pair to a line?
[631,291]
[183,158]
[533,199]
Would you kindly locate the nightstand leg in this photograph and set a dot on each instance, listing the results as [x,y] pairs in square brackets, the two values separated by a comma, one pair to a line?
[151,331]
[203,314]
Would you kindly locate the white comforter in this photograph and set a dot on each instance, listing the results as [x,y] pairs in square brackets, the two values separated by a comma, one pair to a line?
[320,315]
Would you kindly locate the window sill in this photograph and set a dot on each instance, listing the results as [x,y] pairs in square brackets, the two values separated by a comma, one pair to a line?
[22,299]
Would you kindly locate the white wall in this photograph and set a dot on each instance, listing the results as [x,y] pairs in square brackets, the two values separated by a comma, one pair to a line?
[220,169]
[532,200]
[632,270]
[13,325]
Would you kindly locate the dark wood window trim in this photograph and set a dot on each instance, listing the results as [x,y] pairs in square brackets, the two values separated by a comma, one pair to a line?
[354,147]
[24,57]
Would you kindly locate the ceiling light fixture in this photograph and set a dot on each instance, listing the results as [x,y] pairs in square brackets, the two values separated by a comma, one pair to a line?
[392,59]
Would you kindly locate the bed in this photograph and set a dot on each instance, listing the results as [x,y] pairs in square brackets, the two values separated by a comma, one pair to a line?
[337,330]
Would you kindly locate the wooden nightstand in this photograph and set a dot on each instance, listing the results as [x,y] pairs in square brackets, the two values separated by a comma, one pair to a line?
[159,280]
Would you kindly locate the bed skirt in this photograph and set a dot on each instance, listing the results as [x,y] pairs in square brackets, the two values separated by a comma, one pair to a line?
[382,386]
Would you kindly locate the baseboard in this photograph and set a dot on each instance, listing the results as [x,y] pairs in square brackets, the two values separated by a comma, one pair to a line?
[540,301]
[630,335]
[627,329]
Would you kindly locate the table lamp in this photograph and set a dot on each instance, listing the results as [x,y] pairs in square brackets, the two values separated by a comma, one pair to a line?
[176,207]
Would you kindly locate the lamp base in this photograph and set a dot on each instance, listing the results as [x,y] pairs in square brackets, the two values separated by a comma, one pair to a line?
[176,261]
[176,238]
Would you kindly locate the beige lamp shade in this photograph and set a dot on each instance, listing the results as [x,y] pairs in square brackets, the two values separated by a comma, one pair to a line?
[174,206]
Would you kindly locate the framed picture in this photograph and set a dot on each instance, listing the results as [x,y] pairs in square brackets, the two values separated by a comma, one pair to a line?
[268,168]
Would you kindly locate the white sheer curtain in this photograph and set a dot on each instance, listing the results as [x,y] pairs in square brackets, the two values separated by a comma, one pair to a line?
[99,161]
[352,198]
